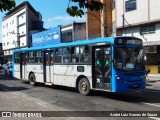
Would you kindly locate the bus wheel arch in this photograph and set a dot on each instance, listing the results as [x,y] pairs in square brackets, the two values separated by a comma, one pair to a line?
[83,85]
[32,78]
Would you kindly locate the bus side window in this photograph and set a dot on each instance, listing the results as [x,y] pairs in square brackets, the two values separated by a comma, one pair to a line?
[31,57]
[38,56]
[16,58]
[58,55]
[84,54]
[65,55]
[75,55]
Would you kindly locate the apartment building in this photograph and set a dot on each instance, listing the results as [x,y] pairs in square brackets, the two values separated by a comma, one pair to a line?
[17,26]
[141,18]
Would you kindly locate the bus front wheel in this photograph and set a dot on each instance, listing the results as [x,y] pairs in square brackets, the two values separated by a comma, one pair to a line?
[32,79]
[84,86]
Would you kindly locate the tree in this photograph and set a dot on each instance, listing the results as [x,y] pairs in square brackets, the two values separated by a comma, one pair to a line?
[79,9]
[6,5]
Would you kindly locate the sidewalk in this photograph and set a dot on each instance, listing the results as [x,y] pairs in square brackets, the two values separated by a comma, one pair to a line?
[153,78]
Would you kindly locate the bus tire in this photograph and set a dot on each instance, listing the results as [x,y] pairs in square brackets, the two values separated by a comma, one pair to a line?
[84,86]
[32,79]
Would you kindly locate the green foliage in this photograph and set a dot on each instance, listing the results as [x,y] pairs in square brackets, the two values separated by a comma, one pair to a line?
[7,5]
[79,10]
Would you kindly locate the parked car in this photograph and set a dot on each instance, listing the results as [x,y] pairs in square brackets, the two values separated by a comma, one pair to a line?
[2,71]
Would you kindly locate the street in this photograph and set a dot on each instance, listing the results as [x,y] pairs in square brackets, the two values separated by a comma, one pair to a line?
[18,95]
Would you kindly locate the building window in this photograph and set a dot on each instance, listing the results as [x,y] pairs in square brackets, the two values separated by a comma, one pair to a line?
[67,36]
[7,25]
[130,5]
[12,22]
[147,30]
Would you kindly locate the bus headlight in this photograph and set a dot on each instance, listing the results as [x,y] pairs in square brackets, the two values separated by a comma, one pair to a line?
[117,77]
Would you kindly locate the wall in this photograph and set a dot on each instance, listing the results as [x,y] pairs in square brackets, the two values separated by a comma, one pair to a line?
[99,23]
[79,31]
[147,11]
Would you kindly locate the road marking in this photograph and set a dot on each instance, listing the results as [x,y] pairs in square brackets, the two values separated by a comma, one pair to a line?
[151,104]
[41,104]
[155,118]
[26,98]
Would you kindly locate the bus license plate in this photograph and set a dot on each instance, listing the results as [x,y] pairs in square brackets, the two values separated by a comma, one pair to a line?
[135,86]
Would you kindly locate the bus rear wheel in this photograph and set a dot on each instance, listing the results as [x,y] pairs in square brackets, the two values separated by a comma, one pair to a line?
[32,79]
[84,86]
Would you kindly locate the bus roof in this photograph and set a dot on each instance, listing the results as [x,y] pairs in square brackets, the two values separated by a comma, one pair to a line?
[79,42]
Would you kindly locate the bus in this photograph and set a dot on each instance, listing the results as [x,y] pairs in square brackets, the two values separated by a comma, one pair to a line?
[113,64]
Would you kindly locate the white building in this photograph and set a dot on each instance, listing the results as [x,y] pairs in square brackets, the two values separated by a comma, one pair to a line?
[141,18]
[17,25]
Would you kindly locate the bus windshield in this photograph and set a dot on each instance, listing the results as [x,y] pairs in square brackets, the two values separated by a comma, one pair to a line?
[128,58]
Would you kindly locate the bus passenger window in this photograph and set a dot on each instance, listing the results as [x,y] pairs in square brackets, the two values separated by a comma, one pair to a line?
[58,55]
[16,58]
[31,57]
[38,56]
[75,54]
[84,56]
[65,55]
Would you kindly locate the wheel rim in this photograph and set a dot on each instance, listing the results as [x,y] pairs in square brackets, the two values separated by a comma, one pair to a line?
[84,86]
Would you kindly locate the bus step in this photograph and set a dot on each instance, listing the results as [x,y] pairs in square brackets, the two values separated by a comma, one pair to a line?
[48,83]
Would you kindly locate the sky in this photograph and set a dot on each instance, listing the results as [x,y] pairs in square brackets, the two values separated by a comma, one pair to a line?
[53,13]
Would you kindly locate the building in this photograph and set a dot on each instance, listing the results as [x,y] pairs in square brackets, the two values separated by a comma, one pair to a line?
[141,18]
[1,54]
[17,27]
[60,34]
[99,23]
[73,32]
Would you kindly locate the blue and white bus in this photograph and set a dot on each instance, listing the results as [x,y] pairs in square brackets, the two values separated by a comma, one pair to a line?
[113,64]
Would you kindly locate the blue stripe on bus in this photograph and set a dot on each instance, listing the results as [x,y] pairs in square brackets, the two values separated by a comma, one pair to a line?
[81,42]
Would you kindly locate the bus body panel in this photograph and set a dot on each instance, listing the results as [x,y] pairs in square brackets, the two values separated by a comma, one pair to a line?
[37,70]
[67,74]
[17,71]
[124,81]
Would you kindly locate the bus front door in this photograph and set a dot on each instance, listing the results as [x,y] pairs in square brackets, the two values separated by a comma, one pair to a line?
[102,67]
[48,64]
[23,68]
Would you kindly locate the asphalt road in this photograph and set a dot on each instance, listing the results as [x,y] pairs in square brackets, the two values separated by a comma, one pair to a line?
[18,95]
